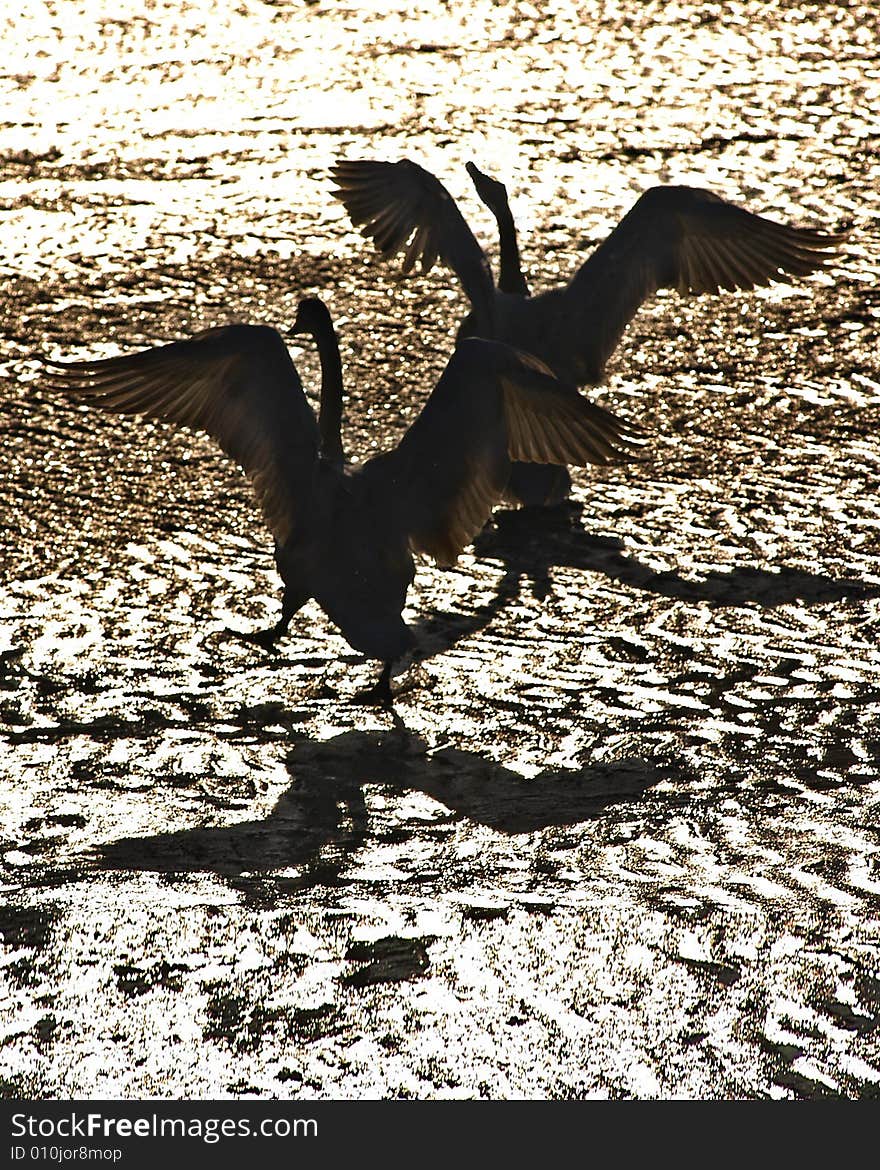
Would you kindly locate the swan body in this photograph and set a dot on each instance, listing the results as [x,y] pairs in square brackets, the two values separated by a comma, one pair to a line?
[345,535]
[686,238]
[679,237]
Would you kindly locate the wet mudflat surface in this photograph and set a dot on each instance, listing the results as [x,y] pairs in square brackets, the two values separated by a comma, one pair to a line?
[620,835]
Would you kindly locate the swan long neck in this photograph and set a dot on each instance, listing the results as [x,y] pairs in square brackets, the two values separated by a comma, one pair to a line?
[510,277]
[330,414]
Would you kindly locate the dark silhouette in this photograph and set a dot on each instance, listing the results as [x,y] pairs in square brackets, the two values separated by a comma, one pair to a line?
[345,535]
[530,542]
[493,193]
[325,805]
[685,238]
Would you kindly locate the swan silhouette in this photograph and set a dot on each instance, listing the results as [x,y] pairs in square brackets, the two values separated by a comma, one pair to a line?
[345,535]
[686,238]
[493,193]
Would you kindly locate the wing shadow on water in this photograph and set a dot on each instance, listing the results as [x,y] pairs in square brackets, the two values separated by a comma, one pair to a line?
[530,542]
[322,819]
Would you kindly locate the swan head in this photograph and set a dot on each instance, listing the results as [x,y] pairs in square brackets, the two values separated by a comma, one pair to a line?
[492,192]
[312,315]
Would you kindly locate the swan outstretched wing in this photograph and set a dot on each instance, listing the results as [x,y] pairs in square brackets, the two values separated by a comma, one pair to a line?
[238,384]
[493,404]
[694,241]
[404,208]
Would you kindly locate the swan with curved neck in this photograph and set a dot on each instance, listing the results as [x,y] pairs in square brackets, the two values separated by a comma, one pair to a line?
[493,193]
[345,536]
[686,238]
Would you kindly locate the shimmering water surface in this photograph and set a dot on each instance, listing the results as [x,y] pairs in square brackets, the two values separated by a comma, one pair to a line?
[620,836]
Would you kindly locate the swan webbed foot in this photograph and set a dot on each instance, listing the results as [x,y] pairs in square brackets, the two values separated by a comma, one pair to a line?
[378,695]
[266,638]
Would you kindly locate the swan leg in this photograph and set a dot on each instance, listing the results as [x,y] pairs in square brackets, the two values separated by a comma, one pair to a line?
[538,485]
[378,695]
[291,603]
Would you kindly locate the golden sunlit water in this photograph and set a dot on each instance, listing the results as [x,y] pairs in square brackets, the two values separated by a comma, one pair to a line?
[619,837]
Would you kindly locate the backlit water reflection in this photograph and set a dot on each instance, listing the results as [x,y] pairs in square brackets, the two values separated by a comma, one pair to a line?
[620,836]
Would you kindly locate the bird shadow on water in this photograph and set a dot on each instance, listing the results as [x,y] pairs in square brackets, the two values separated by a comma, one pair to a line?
[323,818]
[530,542]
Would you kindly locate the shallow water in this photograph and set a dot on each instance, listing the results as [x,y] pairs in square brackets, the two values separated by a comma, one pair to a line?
[620,835]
